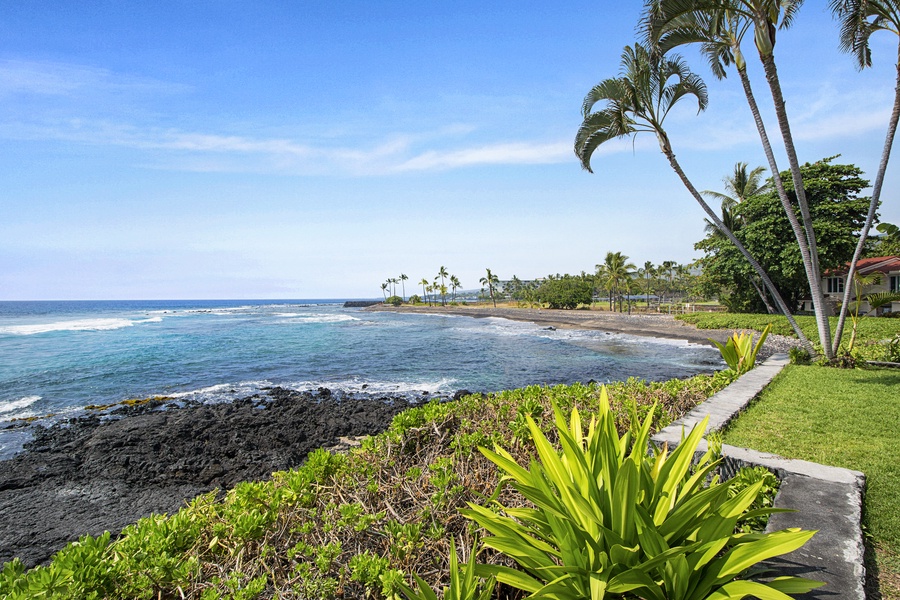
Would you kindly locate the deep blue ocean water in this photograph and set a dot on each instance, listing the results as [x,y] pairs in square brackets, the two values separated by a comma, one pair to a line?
[57,357]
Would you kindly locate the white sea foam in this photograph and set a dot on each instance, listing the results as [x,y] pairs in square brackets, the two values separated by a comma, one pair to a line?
[75,325]
[314,318]
[362,386]
[221,391]
[8,407]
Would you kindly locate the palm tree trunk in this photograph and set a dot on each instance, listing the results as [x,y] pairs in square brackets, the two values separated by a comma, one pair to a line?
[873,206]
[670,155]
[762,296]
[810,263]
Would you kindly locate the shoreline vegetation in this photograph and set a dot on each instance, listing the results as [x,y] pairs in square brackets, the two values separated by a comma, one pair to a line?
[352,524]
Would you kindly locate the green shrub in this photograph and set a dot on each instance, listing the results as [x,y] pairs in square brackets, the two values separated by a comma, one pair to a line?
[394,300]
[799,356]
[739,352]
[610,519]
[463,586]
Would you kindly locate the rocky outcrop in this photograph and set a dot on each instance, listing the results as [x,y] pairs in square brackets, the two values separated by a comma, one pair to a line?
[94,474]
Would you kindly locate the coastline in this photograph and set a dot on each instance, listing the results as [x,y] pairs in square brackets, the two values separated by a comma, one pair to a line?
[92,474]
[639,324]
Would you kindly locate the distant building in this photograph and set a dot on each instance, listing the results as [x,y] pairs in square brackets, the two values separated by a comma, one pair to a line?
[887,268]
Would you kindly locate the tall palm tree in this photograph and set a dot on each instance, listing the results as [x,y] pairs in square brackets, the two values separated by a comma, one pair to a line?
[719,27]
[740,186]
[649,273]
[490,281]
[639,101]
[616,272]
[859,20]
[424,283]
[403,279]
[454,285]
[442,273]
[602,280]
[384,287]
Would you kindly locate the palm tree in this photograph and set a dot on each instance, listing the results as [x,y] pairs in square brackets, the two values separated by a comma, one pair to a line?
[403,279]
[602,280]
[649,272]
[667,272]
[740,186]
[719,27]
[639,101]
[616,272]
[424,283]
[384,287]
[454,285]
[859,20]
[393,281]
[490,281]
[442,273]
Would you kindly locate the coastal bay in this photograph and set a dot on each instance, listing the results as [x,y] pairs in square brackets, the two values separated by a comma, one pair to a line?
[87,473]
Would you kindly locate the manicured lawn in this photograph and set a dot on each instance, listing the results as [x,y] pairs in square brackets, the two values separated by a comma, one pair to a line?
[845,418]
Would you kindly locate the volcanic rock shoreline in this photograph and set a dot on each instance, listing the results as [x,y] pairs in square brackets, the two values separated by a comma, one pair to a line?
[93,474]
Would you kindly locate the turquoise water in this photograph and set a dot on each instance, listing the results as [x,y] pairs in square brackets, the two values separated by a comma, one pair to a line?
[57,357]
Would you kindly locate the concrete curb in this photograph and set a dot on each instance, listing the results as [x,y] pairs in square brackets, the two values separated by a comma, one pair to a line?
[828,499]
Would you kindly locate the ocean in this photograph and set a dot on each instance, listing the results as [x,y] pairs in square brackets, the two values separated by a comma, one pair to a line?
[58,357]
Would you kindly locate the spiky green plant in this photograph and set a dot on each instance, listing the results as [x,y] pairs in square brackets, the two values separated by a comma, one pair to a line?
[739,352]
[610,520]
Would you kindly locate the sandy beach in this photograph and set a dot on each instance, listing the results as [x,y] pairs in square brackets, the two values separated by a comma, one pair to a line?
[641,324]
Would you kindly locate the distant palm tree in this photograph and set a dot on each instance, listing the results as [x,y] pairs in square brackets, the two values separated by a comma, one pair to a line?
[740,186]
[490,281]
[403,279]
[455,285]
[649,273]
[424,283]
[616,272]
[442,273]
[393,281]
[384,287]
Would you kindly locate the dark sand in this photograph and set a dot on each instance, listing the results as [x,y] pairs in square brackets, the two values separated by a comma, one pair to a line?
[648,325]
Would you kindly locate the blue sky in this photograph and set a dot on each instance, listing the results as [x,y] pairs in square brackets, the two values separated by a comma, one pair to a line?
[312,149]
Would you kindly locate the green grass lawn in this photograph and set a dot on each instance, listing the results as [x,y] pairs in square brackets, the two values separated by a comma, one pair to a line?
[844,418]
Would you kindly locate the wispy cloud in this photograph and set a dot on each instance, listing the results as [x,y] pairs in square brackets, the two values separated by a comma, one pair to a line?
[63,79]
[831,112]
[492,154]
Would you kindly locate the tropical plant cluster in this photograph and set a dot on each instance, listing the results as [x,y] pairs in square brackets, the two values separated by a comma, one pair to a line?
[354,525]
[609,519]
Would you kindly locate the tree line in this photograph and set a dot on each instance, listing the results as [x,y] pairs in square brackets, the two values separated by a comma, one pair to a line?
[616,280]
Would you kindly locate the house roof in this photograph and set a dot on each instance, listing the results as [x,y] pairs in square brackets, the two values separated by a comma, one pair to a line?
[875,264]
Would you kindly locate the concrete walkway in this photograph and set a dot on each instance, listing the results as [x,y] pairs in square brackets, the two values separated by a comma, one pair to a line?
[827,499]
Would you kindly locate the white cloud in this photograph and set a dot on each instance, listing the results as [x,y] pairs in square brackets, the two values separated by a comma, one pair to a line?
[63,79]
[519,153]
